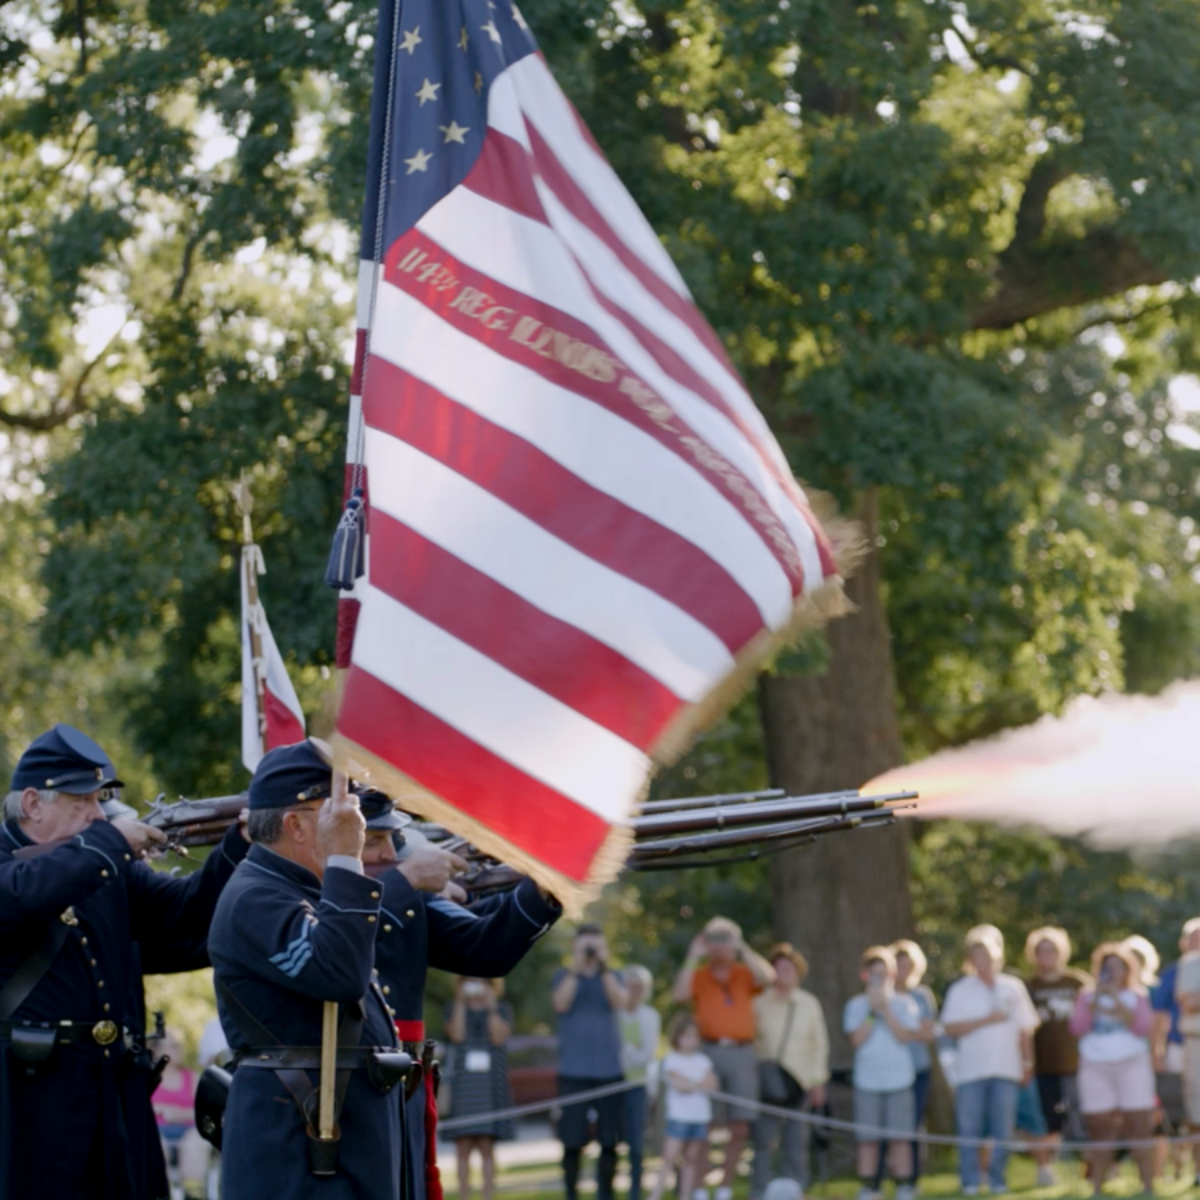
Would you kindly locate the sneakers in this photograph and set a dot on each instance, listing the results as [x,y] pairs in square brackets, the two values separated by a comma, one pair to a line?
[722,1193]
[865,1193]
[1046,1176]
[973,1190]
[905,1191]
[700,1193]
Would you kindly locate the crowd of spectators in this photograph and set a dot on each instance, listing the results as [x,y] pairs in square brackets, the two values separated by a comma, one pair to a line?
[1051,1055]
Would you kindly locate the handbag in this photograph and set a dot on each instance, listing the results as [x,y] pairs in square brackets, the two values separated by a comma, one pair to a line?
[776,1084]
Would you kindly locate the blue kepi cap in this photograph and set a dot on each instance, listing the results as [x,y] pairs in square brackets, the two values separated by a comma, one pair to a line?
[292,774]
[64,760]
[379,810]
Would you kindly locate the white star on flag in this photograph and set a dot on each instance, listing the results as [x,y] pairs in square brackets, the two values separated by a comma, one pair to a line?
[454,132]
[463,39]
[418,162]
[429,91]
[520,20]
[491,30]
[412,39]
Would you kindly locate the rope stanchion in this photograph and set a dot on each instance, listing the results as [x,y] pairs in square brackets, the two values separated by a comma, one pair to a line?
[1020,1145]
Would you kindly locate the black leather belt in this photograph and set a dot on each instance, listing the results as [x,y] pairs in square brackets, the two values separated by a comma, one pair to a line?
[304,1058]
[71,1033]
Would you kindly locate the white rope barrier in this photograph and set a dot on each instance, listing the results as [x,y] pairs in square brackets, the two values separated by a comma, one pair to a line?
[872,1132]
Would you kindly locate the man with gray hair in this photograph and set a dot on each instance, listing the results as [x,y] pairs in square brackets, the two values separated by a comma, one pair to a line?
[75,901]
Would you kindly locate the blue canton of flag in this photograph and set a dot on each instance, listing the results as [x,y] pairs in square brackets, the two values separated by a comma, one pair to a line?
[437,60]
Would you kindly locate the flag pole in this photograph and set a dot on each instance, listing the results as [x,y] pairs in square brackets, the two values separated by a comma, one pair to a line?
[245,503]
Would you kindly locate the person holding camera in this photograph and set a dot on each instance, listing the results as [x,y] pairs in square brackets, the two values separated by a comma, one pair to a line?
[587,996]
[721,991]
[478,1025]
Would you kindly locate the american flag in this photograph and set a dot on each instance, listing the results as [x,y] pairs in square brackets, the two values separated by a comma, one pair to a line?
[582,536]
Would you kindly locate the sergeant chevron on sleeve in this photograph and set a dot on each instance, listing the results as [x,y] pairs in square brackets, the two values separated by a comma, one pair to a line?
[76,903]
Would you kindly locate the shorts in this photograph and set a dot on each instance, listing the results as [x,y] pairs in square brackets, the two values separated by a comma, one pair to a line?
[1031,1117]
[894,1112]
[1191,1079]
[1169,1085]
[736,1069]
[688,1131]
[1060,1105]
[1125,1086]
[573,1120]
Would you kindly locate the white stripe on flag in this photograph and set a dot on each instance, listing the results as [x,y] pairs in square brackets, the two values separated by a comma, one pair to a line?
[538,734]
[545,106]
[602,449]
[530,257]
[486,533]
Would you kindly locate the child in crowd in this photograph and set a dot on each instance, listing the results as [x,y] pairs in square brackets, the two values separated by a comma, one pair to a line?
[689,1077]
[880,1023]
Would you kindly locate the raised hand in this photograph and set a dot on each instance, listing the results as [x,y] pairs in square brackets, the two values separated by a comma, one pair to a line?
[429,868]
[341,828]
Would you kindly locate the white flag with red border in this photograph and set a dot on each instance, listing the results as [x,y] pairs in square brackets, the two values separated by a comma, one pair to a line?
[280,720]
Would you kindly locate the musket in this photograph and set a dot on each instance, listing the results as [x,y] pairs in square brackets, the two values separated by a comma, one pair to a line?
[786,807]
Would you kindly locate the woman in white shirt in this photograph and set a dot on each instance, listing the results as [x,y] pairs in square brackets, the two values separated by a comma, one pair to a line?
[993,1019]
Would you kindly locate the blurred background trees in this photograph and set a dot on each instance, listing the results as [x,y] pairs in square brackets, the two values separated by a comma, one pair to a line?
[951,244]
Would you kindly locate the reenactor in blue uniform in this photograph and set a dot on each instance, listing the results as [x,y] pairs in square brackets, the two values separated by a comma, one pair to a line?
[75,900]
[295,929]
[421,929]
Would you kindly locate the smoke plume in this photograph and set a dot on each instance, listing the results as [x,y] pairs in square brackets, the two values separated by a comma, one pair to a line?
[1123,770]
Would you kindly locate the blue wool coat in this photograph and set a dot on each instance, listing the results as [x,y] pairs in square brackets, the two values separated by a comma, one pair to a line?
[80,1125]
[284,942]
[419,931]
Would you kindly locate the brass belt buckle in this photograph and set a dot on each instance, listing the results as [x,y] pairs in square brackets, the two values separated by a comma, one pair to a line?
[105,1032]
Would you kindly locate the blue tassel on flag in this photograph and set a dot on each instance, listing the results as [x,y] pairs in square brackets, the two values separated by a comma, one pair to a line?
[347,555]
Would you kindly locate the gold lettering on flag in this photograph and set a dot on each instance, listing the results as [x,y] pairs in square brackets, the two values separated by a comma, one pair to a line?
[599,365]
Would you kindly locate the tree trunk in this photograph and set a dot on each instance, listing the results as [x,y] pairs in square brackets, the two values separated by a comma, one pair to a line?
[830,731]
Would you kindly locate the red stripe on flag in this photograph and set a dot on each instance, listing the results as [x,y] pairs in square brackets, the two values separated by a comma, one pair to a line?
[538,820]
[571,355]
[539,487]
[573,198]
[360,356]
[347,623]
[502,169]
[283,727]
[570,665]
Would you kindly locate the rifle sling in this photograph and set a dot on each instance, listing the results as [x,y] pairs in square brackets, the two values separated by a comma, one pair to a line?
[31,972]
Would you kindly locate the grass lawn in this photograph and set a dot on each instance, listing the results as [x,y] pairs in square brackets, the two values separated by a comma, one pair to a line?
[543,1183]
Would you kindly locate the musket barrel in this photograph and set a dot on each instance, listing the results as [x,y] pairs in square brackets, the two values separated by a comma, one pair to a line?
[787,807]
[685,802]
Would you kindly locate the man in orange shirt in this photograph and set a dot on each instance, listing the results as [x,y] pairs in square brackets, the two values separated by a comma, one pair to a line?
[721,993]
